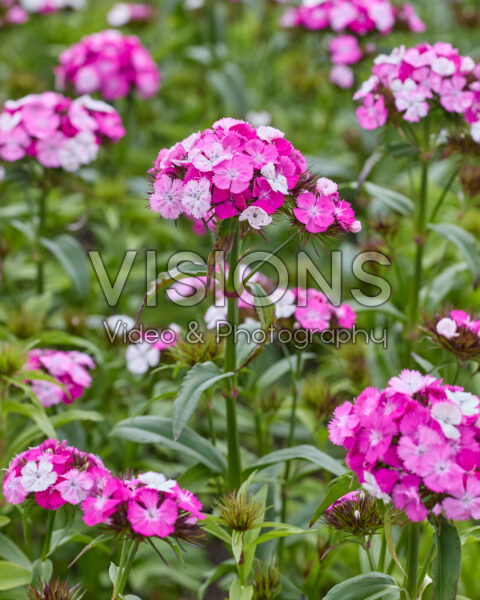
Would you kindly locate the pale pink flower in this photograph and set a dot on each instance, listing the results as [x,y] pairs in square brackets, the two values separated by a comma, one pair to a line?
[233,174]
[196,200]
[74,486]
[167,197]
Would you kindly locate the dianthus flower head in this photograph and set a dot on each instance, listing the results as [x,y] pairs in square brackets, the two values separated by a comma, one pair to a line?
[410,83]
[458,332]
[137,507]
[69,368]
[416,443]
[236,171]
[352,21]
[57,131]
[109,63]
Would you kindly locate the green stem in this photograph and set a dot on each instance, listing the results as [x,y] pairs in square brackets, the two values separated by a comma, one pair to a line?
[412,559]
[42,211]
[444,193]
[420,238]
[296,372]
[129,550]
[48,535]
[383,554]
[259,431]
[234,460]
[368,551]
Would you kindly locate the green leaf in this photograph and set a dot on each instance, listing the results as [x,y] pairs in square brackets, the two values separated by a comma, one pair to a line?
[390,198]
[12,575]
[11,552]
[465,242]
[158,430]
[113,573]
[239,591]
[284,530]
[303,452]
[448,561]
[211,526]
[42,571]
[337,488]
[200,377]
[279,369]
[237,545]
[265,309]
[4,521]
[71,256]
[472,534]
[369,586]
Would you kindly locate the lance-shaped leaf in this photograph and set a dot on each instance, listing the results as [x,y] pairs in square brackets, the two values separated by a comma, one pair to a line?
[201,377]
[370,586]
[448,561]
[303,452]
[464,241]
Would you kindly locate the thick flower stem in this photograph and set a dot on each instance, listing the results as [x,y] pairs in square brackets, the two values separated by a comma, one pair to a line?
[412,559]
[420,238]
[234,478]
[129,550]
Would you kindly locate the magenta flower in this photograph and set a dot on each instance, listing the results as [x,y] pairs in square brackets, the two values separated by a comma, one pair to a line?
[316,212]
[345,50]
[233,174]
[150,517]
[372,113]
[416,443]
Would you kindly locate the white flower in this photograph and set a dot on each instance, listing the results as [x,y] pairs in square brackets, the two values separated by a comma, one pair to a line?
[371,486]
[326,186]
[278,183]
[256,217]
[447,328]
[119,15]
[119,324]
[214,315]
[32,6]
[37,477]
[447,416]
[157,481]
[141,356]
[267,133]
[443,66]
[366,87]
[466,402]
[259,118]
[475,132]
[193,4]
[286,306]
[91,104]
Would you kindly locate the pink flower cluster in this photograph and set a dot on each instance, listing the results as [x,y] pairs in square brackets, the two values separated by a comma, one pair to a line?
[57,474]
[411,82]
[357,16]
[70,369]
[352,19]
[110,63]
[323,210]
[237,170]
[123,13]
[417,442]
[450,327]
[313,311]
[16,12]
[232,169]
[57,131]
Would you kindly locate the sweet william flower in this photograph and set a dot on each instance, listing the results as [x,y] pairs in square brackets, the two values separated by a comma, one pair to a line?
[38,476]
[167,197]
[372,114]
[447,328]
[316,212]
[256,217]
[233,174]
[151,517]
